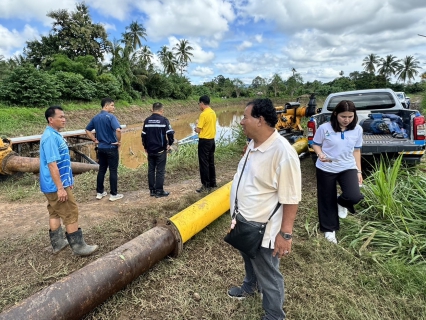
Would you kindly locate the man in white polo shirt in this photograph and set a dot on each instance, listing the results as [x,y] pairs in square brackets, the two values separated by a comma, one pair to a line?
[271,175]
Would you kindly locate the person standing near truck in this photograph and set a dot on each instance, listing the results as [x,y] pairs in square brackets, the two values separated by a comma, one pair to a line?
[337,144]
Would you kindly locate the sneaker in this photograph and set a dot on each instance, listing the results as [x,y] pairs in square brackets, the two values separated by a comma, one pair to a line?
[118,196]
[342,211]
[161,194]
[239,294]
[331,236]
[99,196]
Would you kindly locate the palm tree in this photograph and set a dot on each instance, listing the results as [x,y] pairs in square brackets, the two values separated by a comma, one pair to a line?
[168,60]
[145,55]
[370,62]
[388,66]
[134,32]
[408,69]
[183,54]
[293,70]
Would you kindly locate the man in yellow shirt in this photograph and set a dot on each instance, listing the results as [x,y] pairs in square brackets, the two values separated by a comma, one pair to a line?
[206,129]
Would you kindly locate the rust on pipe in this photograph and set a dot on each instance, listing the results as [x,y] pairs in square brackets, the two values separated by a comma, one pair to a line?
[13,163]
[80,292]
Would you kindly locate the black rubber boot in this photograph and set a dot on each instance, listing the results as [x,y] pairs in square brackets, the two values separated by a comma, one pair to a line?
[78,245]
[57,239]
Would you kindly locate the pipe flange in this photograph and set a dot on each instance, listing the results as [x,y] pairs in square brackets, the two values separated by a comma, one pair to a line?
[170,226]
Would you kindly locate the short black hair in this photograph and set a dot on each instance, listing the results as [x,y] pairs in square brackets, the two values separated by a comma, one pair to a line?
[264,108]
[106,101]
[50,112]
[205,99]
[157,106]
[343,106]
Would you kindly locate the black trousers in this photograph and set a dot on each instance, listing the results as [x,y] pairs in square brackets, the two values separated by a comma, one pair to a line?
[156,170]
[108,158]
[206,149]
[327,196]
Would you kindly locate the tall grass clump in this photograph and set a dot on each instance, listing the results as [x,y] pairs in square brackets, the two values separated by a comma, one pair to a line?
[392,222]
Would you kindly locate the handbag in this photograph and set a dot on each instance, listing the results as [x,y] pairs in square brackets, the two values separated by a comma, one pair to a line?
[245,235]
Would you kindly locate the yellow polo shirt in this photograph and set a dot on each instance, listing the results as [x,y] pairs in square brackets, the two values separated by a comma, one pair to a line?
[207,124]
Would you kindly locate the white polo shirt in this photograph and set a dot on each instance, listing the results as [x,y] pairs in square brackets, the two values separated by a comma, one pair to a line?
[271,175]
[338,146]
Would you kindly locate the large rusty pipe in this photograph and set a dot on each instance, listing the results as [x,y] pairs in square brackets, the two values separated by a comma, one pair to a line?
[14,163]
[80,292]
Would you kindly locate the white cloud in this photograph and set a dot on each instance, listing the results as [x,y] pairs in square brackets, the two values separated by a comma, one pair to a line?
[244,45]
[193,18]
[28,10]
[235,68]
[202,71]
[259,38]
[12,39]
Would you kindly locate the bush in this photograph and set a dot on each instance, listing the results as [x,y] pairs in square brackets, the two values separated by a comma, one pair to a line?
[27,86]
[73,86]
[107,85]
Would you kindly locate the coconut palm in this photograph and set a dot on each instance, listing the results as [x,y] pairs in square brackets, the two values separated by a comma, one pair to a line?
[369,63]
[183,54]
[145,55]
[293,70]
[134,32]
[388,66]
[408,69]
[168,60]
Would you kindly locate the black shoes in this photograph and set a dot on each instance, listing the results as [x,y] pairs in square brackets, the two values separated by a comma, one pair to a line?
[206,189]
[152,193]
[161,193]
[203,189]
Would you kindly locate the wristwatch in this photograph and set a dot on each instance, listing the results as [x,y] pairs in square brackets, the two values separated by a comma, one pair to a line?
[286,236]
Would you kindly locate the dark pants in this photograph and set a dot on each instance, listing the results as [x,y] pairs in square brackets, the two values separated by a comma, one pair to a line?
[328,200]
[263,273]
[156,170]
[108,158]
[206,148]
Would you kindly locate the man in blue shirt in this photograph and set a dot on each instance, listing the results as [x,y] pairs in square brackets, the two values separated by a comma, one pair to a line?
[108,140]
[57,182]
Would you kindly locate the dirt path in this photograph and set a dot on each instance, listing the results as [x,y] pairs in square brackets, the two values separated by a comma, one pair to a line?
[30,218]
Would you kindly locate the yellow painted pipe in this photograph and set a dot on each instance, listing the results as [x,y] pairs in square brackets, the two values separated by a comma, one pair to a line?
[199,215]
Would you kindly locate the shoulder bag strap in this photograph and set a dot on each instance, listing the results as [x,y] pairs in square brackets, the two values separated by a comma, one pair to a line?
[238,184]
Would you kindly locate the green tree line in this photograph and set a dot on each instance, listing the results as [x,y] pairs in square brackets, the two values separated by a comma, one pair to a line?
[69,65]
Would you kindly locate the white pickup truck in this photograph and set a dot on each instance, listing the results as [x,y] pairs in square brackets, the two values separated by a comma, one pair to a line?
[373,105]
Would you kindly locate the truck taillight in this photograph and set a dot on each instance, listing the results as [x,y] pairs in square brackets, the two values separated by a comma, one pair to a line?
[311,129]
[419,128]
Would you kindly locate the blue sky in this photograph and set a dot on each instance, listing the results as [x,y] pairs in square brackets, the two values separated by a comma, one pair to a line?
[246,38]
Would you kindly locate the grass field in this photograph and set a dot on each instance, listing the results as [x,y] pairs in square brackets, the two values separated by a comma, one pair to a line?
[323,281]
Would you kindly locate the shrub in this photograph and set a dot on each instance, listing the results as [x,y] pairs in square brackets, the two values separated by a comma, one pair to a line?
[30,87]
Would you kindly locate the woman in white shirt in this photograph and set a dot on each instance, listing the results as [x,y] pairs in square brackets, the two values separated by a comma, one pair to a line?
[338,146]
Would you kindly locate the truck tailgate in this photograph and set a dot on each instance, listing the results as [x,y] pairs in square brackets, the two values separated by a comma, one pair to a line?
[378,143]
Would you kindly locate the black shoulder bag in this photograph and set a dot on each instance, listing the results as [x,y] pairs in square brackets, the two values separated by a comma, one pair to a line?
[244,235]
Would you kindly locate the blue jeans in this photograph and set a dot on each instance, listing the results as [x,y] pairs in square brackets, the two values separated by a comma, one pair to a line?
[108,158]
[156,170]
[263,273]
